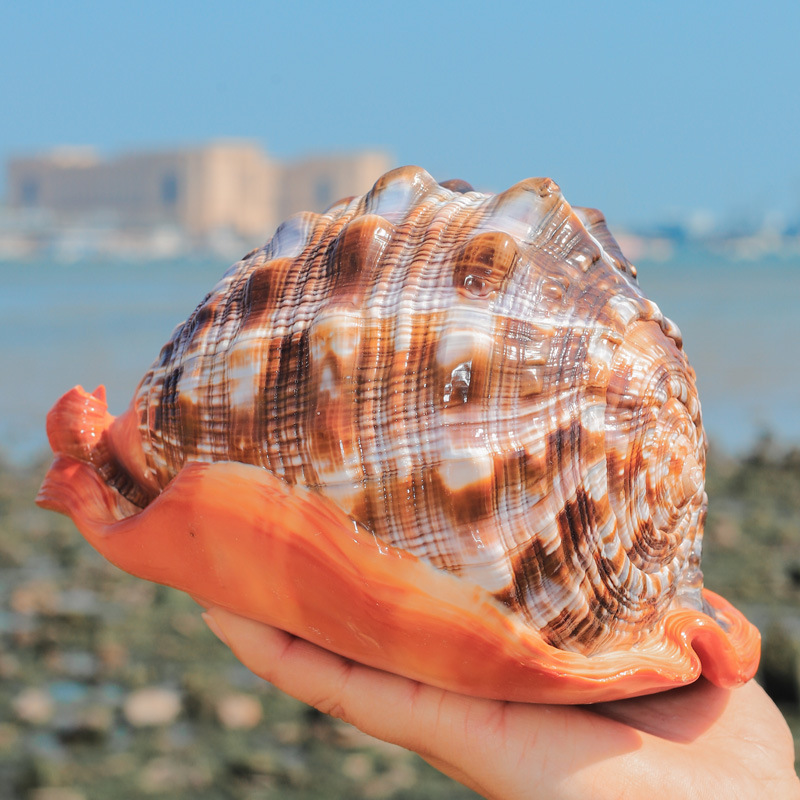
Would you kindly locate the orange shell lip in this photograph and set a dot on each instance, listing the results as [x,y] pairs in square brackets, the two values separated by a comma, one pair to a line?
[236,536]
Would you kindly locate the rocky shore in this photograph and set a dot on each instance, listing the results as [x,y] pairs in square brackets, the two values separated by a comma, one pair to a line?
[114,687]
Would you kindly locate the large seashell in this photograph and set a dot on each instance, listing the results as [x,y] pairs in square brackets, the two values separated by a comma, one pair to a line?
[437,431]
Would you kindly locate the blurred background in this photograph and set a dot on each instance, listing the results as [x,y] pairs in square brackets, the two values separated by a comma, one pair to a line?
[145,147]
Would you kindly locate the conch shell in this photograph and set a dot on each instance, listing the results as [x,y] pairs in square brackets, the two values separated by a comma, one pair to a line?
[437,431]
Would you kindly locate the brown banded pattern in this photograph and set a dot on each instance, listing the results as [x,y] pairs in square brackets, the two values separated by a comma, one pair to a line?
[476,378]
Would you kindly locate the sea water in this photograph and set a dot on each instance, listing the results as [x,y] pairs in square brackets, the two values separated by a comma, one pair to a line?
[96,322]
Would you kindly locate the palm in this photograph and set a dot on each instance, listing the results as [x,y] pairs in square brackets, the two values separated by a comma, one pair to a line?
[699,741]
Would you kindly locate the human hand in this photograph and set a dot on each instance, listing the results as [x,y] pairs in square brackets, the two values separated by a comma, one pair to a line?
[695,742]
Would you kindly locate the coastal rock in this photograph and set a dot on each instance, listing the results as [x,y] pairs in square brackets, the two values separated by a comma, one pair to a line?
[238,711]
[151,707]
[34,706]
[165,775]
[37,596]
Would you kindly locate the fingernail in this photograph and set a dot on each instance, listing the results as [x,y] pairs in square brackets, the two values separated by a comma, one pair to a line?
[214,627]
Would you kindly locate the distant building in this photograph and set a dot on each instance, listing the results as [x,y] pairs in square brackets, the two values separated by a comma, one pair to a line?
[233,187]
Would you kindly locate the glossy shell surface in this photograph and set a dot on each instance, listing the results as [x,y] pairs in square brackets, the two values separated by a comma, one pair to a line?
[471,388]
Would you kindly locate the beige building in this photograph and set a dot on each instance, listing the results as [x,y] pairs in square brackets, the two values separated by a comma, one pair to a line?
[221,187]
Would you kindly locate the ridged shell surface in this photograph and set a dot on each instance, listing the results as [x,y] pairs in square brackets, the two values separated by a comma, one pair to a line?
[477,379]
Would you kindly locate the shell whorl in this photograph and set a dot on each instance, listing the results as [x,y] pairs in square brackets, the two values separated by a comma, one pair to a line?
[475,378]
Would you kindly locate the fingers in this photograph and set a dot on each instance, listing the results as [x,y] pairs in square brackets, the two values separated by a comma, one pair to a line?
[379,703]
[507,750]
[421,718]
[493,747]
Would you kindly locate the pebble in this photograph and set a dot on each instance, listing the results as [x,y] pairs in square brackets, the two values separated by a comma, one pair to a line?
[399,777]
[83,723]
[8,736]
[152,706]
[34,706]
[56,793]
[358,766]
[165,776]
[288,732]
[9,666]
[239,711]
[186,624]
[77,663]
[68,691]
[112,655]
[37,596]
[79,603]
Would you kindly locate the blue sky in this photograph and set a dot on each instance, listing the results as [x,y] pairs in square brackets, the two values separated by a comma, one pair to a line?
[646,110]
